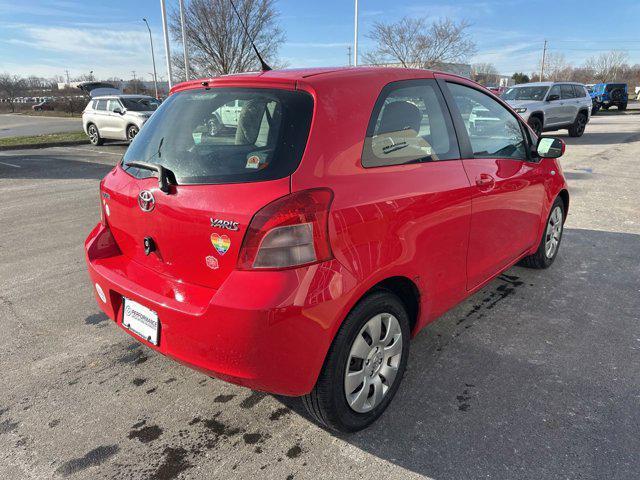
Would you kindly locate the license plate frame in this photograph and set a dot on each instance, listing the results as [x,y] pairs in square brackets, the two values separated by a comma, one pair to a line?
[140,320]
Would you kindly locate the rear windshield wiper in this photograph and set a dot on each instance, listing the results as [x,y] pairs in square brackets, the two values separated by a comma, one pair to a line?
[164,174]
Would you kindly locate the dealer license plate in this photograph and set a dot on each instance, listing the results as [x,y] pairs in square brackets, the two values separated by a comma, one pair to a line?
[141,321]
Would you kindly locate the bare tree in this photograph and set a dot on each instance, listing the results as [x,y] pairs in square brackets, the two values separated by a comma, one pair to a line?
[412,42]
[11,86]
[557,68]
[135,86]
[608,66]
[485,73]
[216,41]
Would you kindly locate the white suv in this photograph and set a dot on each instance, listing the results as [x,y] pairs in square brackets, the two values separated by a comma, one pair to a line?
[116,117]
[548,106]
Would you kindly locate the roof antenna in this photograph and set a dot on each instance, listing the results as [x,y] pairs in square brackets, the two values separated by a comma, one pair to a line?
[263,65]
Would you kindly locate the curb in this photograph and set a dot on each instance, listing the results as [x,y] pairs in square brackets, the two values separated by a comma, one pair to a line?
[43,145]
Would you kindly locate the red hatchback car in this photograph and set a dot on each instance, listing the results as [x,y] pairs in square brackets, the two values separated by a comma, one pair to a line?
[328,217]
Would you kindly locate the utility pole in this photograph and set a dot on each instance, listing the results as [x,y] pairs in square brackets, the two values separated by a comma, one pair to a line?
[153,58]
[544,55]
[167,50]
[135,84]
[349,54]
[355,36]
[184,42]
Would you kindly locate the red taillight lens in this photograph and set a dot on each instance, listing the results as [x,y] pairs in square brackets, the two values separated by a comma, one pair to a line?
[289,232]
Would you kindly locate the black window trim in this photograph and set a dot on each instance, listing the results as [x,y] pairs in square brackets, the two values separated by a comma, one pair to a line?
[377,107]
[466,150]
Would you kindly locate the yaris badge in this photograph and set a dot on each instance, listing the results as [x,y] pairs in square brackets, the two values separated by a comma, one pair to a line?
[146,202]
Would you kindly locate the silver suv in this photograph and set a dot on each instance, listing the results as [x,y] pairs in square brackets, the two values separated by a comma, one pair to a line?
[548,106]
[116,117]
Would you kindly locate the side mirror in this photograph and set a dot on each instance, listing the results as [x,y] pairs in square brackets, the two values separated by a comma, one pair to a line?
[553,98]
[118,110]
[550,147]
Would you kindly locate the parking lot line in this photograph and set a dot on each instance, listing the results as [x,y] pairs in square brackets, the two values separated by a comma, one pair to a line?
[10,165]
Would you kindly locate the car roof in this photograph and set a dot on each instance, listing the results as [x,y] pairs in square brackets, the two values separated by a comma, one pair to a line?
[311,75]
[544,84]
[123,95]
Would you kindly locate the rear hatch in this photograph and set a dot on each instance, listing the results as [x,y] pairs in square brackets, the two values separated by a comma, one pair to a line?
[218,178]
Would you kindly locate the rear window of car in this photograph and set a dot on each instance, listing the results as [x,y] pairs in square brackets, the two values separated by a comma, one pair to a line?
[100,105]
[225,135]
[580,91]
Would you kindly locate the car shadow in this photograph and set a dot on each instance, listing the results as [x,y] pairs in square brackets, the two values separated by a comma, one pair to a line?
[29,166]
[613,112]
[532,377]
[596,138]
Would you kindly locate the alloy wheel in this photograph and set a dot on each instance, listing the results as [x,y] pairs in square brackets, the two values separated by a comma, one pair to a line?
[131,133]
[554,232]
[93,134]
[373,362]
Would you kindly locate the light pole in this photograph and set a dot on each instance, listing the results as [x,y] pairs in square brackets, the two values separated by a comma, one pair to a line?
[167,50]
[153,58]
[184,42]
[355,36]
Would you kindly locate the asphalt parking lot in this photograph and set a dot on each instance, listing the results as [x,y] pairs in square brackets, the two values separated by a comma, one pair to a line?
[24,125]
[536,376]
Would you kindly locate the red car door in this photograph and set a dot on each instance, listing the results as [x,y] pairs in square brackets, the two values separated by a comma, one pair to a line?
[508,186]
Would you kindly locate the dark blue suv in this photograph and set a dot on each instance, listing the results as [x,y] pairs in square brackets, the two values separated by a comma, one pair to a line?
[605,95]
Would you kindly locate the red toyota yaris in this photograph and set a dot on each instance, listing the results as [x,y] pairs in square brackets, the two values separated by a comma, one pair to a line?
[290,231]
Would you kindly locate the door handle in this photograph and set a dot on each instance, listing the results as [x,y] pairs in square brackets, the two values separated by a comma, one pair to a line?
[485,181]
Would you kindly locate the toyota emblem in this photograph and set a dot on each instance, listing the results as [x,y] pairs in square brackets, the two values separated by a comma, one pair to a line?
[146,202]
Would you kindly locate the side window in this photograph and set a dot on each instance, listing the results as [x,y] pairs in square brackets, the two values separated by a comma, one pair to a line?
[410,123]
[100,105]
[567,92]
[555,90]
[113,104]
[493,130]
[579,91]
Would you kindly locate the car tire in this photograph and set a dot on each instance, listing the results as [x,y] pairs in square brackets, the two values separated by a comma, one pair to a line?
[580,123]
[551,237]
[622,106]
[94,135]
[536,125]
[132,131]
[329,403]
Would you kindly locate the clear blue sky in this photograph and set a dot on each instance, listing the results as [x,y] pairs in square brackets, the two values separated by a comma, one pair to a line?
[46,37]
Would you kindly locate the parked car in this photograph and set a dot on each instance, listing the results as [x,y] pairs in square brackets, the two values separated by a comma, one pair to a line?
[550,106]
[116,117]
[349,209]
[606,95]
[226,116]
[42,106]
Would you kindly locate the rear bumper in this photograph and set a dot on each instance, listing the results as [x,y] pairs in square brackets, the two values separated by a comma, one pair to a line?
[267,331]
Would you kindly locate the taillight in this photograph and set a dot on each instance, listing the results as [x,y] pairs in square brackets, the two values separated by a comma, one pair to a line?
[289,232]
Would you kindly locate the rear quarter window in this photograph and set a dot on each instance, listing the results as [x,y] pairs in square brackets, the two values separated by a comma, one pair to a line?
[409,124]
